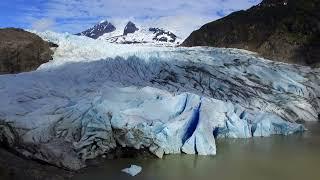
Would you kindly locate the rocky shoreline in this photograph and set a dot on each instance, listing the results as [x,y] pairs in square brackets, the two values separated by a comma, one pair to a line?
[15,167]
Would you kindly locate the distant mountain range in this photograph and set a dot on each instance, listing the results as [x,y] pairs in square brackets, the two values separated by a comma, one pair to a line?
[131,34]
[282,30]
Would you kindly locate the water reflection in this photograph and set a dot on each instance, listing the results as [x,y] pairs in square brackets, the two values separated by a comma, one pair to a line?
[280,157]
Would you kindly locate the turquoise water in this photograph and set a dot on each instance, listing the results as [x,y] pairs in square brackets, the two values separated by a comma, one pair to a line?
[294,157]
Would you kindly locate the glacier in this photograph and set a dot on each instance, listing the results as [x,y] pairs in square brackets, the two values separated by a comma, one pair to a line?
[96,96]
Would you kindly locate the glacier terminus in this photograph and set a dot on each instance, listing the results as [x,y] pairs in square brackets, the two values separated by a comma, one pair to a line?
[96,96]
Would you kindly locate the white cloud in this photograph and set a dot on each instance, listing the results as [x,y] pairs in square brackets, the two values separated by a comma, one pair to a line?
[78,8]
[76,15]
[182,24]
[42,24]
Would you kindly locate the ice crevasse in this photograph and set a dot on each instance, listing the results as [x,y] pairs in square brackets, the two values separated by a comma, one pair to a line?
[166,100]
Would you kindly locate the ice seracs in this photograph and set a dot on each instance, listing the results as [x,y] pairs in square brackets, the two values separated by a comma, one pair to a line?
[95,96]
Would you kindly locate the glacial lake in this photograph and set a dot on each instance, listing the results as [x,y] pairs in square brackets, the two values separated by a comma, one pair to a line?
[294,157]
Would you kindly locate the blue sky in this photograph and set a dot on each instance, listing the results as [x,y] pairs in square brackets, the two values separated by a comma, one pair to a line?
[76,15]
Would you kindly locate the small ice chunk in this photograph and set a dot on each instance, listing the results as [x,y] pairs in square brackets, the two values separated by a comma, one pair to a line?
[133,170]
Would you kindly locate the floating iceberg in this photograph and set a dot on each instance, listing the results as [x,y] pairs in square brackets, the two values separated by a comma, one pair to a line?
[84,104]
[133,170]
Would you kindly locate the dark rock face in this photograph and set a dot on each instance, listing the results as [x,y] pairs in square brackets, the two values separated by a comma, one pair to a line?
[16,167]
[160,35]
[284,30]
[98,30]
[130,28]
[22,51]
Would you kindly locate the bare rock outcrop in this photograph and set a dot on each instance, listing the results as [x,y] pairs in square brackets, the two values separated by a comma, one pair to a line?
[22,51]
[282,30]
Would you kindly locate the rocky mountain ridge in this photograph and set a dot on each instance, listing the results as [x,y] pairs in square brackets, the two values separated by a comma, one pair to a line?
[22,51]
[98,30]
[281,30]
[131,34]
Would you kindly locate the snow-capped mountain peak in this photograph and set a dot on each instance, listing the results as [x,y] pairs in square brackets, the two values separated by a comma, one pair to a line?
[98,29]
[163,35]
[103,21]
[130,28]
[131,33]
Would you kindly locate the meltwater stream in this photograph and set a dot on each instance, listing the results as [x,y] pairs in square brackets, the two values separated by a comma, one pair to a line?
[293,157]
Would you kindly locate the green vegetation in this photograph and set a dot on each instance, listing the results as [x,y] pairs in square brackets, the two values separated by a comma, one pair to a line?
[276,30]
